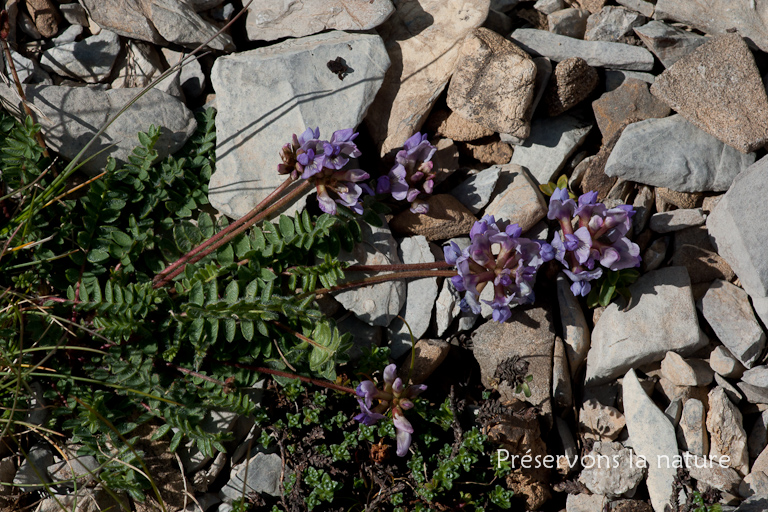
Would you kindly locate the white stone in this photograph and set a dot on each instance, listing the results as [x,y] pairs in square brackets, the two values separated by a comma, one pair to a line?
[576,333]
[517,199]
[727,435]
[675,220]
[722,361]
[693,427]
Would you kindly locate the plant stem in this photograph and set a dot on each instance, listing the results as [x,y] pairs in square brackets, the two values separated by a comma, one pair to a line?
[310,380]
[384,278]
[256,215]
[398,267]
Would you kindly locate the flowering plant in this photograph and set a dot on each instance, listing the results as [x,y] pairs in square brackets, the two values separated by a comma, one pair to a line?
[412,176]
[512,270]
[590,234]
[395,397]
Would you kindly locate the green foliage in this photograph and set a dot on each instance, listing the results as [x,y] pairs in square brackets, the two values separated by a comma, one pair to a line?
[562,183]
[611,284]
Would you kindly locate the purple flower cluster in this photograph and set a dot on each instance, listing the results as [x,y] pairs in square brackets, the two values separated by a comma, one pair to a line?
[395,397]
[323,162]
[411,177]
[512,271]
[591,233]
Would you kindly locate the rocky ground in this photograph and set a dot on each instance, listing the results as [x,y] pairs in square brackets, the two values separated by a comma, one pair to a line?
[660,105]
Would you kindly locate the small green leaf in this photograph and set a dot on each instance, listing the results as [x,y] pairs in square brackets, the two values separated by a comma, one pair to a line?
[232,292]
[246,327]
[97,256]
[122,239]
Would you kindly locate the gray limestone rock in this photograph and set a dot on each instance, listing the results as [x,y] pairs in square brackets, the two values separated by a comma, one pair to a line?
[586,503]
[576,333]
[446,307]
[713,475]
[85,500]
[191,76]
[475,192]
[754,384]
[89,60]
[517,199]
[69,35]
[615,477]
[758,436]
[727,310]
[726,430]
[675,220]
[722,361]
[260,474]
[266,95]
[720,17]
[552,141]
[673,153]
[615,77]
[661,317]
[32,473]
[419,300]
[72,115]
[612,23]
[597,53]
[137,66]
[653,437]
[562,391]
[156,21]
[268,21]
[693,427]
[380,303]
[682,372]
[569,22]
[641,6]
[668,43]
[82,470]
[74,14]
[738,229]
[548,6]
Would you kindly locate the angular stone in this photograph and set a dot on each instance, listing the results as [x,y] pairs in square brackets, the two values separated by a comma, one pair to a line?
[419,300]
[548,6]
[517,199]
[446,307]
[85,500]
[612,24]
[528,334]
[569,22]
[260,474]
[266,95]
[68,36]
[45,15]
[758,436]
[630,100]
[668,43]
[28,70]
[703,266]
[661,317]
[72,115]
[615,77]
[475,192]
[574,325]
[753,504]
[586,503]
[675,220]
[74,14]
[673,153]
[492,84]
[728,438]
[32,473]
[754,384]
[732,392]
[597,53]
[412,85]
[614,478]
[489,151]
[720,17]
[694,429]
[89,60]
[738,229]
[82,470]
[655,254]
[138,66]
[572,81]
[553,140]
[446,123]
[754,484]
[600,422]
[191,77]
[653,436]
[727,310]
[681,372]
[712,474]
[641,6]
[594,176]
[268,21]
[380,303]
[156,21]
[722,361]
[429,355]
[718,88]
[447,218]
[643,205]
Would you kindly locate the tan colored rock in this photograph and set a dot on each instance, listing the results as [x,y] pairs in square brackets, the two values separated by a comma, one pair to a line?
[45,15]
[447,218]
[665,196]
[268,21]
[693,428]
[600,422]
[593,6]
[518,198]
[682,372]
[429,355]
[703,266]
[630,100]
[595,177]
[725,426]
[412,84]
[718,88]
[492,152]
[493,83]
[445,160]
[446,123]
[572,81]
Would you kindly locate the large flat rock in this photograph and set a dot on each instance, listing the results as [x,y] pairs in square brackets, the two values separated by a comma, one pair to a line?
[673,153]
[266,95]
[599,54]
[419,28]
[72,115]
[274,19]
[661,317]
